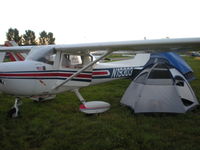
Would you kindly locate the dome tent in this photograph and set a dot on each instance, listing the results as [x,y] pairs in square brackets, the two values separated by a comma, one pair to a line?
[160,89]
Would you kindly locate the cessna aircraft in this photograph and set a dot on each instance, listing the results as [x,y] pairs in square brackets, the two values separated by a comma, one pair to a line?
[52,69]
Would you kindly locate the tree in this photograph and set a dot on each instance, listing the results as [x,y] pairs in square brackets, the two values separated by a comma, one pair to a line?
[42,38]
[29,38]
[46,39]
[13,35]
[51,39]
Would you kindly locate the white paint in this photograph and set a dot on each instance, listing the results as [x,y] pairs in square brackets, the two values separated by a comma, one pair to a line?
[94,107]
[137,61]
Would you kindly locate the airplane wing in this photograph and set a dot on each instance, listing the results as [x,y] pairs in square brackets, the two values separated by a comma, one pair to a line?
[144,45]
[16,49]
[160,44]
[163,44]
[137,45]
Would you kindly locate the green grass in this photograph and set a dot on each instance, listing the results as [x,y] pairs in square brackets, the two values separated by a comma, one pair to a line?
[117,56]
[58,124]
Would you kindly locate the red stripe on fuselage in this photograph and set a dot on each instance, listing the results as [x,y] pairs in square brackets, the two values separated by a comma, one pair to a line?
[43,75]
[100,73]
[55,74]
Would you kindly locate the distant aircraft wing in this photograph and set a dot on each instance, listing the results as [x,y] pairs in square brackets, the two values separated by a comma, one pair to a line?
[137,45]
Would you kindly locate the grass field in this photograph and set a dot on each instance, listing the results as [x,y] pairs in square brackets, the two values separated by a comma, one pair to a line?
[58,124]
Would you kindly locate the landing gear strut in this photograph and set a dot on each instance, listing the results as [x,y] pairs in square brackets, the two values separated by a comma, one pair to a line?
[14,111]
[80,97]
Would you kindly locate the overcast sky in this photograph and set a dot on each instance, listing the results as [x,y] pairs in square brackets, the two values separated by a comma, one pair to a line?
[78,21]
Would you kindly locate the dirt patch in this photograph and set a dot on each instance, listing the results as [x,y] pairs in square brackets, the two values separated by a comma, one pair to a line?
[197,58]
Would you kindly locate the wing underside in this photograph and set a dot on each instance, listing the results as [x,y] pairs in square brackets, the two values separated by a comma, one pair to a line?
[143,45]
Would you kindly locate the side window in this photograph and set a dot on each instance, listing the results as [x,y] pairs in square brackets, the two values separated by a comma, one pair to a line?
[66,61]
[75,61]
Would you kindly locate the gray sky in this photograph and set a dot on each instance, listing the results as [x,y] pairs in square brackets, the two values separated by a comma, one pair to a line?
[79,21]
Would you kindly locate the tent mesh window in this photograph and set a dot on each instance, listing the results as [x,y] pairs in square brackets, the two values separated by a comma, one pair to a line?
[186,102]
[179,81]
[142,78]
[160,71]
[160,75]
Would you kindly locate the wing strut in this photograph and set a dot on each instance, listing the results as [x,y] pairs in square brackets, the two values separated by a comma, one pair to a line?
[81,70]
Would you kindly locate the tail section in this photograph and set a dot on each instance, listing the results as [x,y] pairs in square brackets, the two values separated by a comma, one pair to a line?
[14,56]
[10,43]
[2,56]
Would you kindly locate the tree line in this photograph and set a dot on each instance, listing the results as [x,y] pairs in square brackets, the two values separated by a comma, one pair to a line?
[29,37]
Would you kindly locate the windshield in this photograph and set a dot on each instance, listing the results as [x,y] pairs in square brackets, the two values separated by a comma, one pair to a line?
[42,54]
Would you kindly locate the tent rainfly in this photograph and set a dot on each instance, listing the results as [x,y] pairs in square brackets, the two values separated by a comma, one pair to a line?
[160,89]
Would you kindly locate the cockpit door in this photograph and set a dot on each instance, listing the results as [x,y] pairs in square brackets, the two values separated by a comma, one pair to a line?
[70,64]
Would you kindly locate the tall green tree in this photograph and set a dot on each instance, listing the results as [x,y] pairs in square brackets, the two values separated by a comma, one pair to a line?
[46,38]
[51,39]
[13,35]
[42,38]
[29,38]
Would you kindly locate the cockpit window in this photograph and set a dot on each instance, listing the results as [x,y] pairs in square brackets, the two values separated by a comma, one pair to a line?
[75,61]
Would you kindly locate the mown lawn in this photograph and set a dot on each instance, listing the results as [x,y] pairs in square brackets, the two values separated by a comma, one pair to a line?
[58,124]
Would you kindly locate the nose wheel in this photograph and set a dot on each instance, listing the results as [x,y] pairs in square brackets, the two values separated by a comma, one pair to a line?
[14,111]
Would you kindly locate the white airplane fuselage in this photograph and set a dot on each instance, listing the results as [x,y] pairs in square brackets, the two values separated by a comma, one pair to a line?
[33,78]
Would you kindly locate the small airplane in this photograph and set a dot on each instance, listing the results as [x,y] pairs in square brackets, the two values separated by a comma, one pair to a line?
[51,69]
